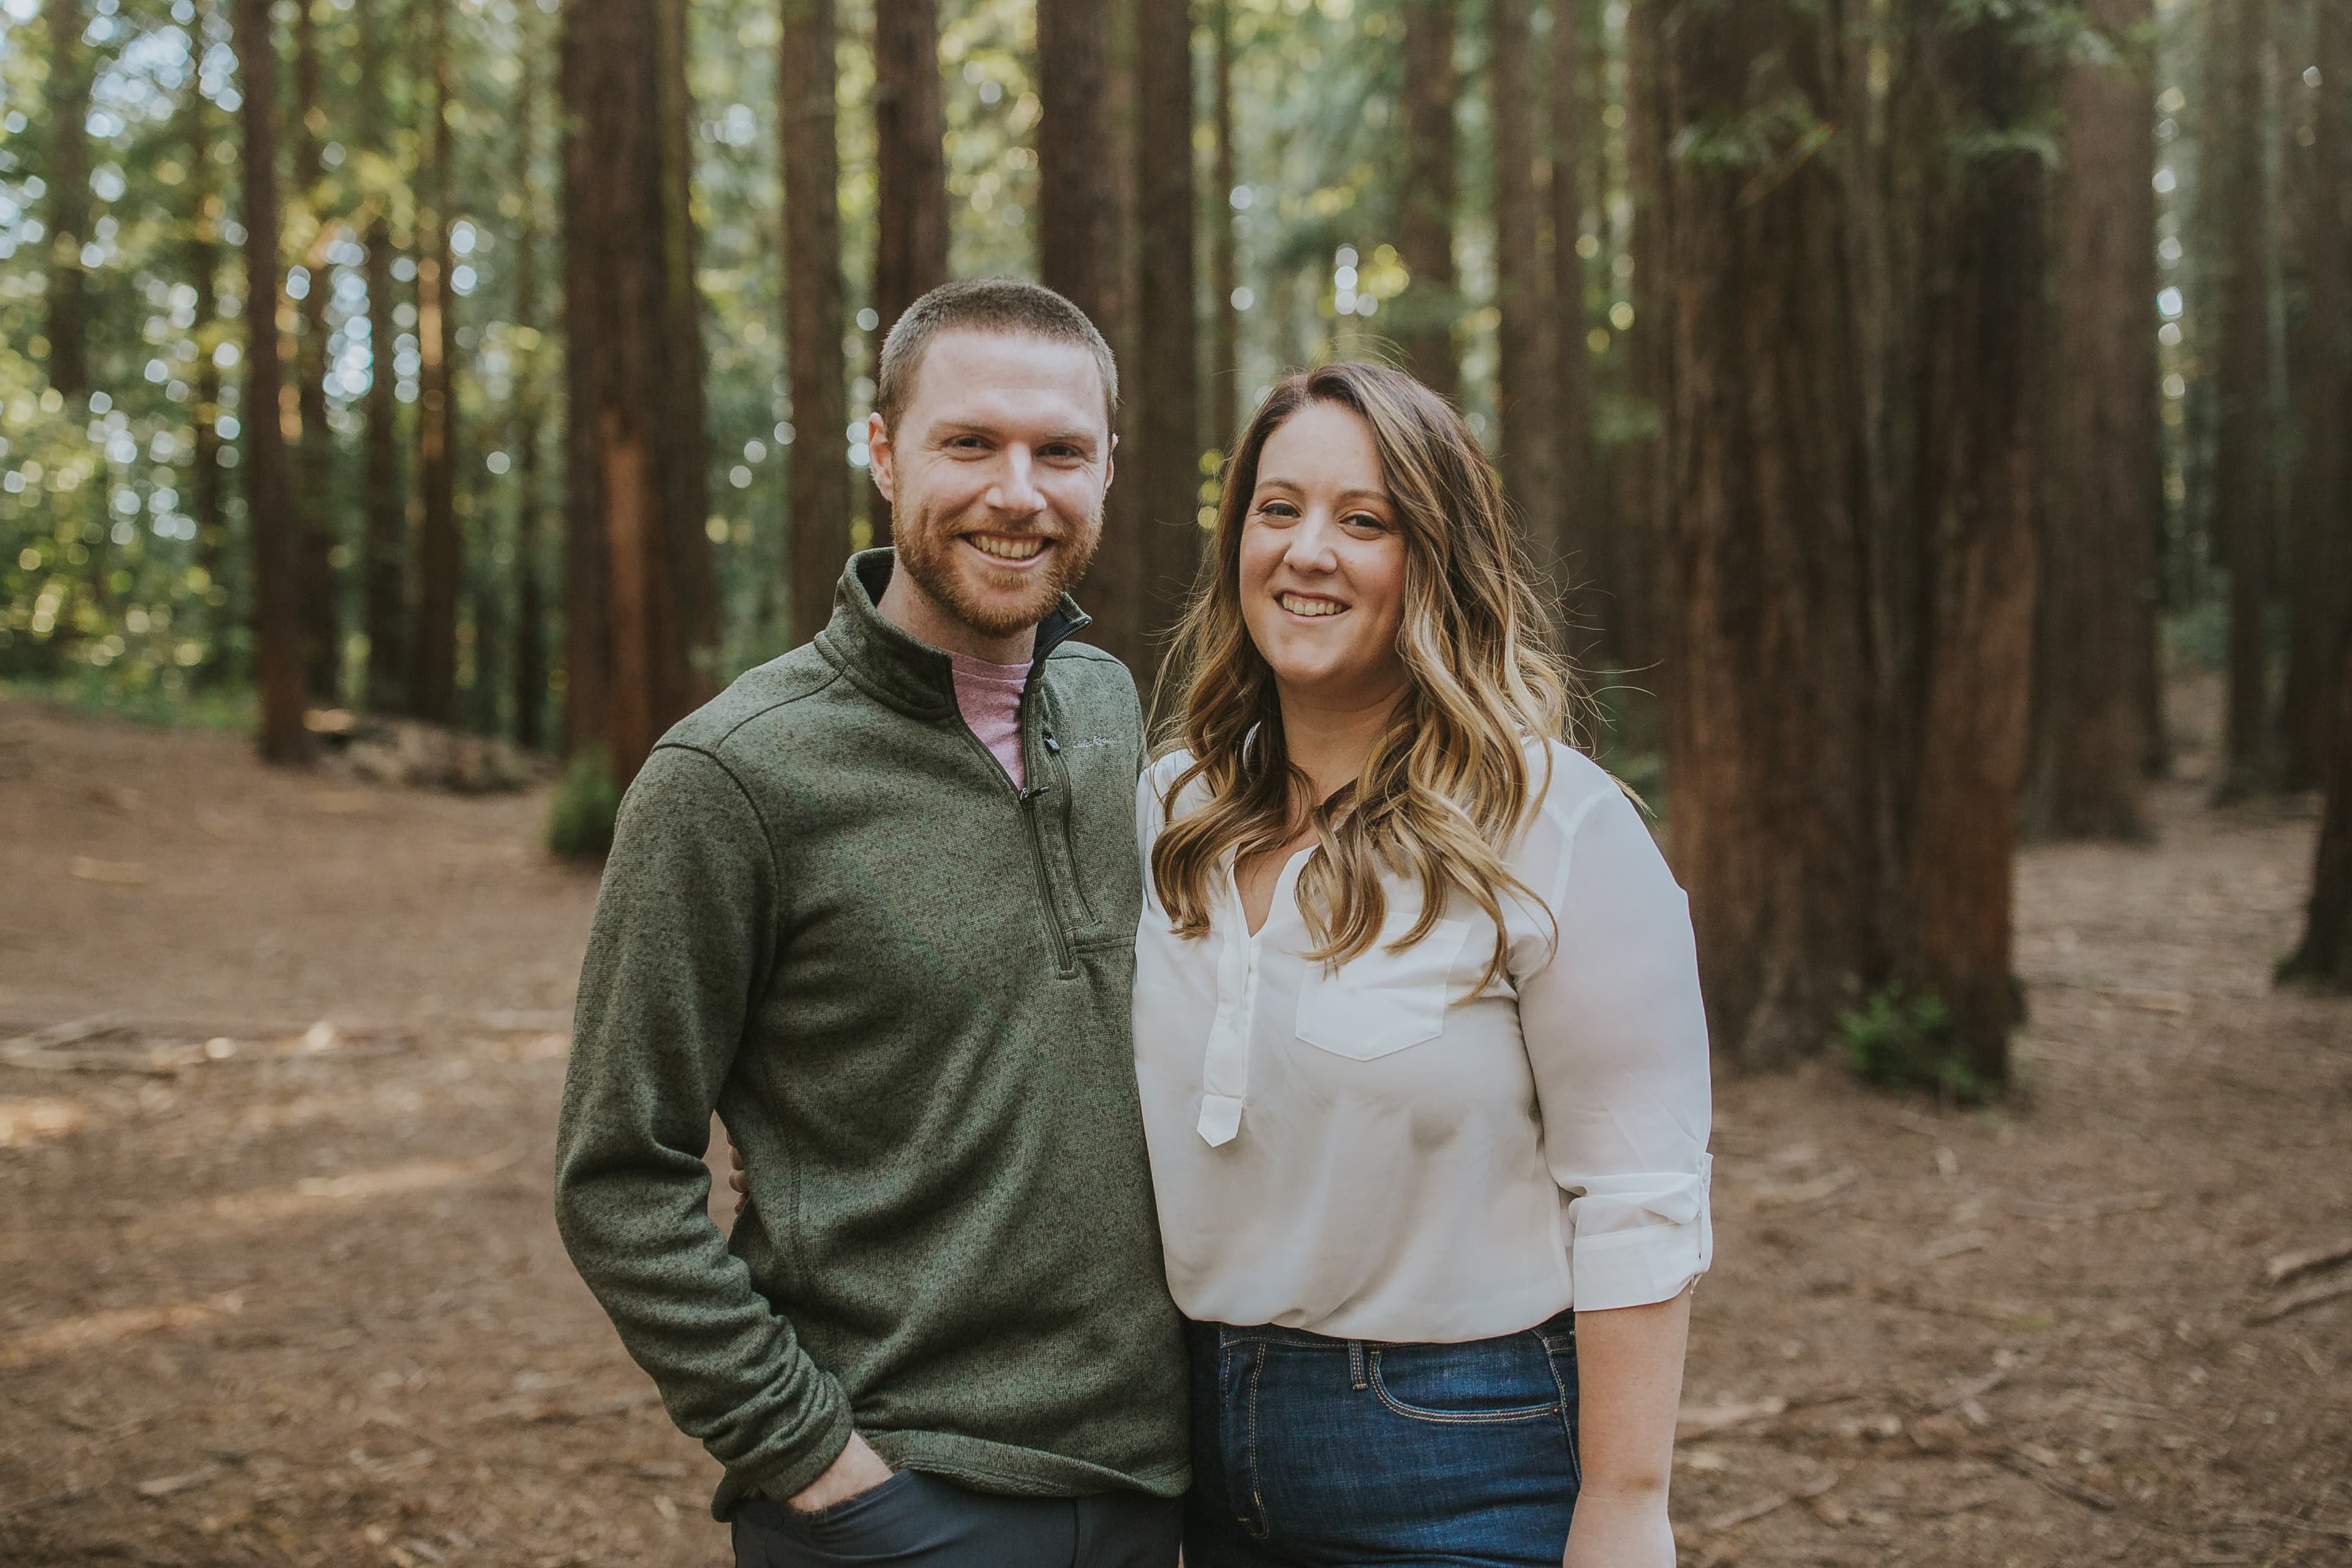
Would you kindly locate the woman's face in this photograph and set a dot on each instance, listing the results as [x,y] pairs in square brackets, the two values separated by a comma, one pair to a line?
[1322,561]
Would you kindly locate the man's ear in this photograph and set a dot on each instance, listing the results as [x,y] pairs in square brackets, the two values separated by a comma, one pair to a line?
[879,457]
[1110,463]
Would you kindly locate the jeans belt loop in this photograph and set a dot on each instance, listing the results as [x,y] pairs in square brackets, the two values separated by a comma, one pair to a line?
[1356,1365]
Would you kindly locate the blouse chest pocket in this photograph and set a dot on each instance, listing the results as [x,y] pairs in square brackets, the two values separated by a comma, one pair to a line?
[1381,1002]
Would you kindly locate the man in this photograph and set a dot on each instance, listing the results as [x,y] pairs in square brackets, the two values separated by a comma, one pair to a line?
[875,904]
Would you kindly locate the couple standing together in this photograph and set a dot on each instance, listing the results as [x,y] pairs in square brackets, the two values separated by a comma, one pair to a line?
[1297,1151]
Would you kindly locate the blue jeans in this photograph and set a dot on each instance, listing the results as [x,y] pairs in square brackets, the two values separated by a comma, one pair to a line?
[1317,1453]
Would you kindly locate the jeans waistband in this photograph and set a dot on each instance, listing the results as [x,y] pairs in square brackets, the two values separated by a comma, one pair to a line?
[1559,1325]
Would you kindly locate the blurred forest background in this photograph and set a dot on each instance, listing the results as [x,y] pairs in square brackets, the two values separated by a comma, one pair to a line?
[1933,413]
[1904,388]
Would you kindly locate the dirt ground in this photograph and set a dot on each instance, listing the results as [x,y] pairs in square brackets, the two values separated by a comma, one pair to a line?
[295,1295]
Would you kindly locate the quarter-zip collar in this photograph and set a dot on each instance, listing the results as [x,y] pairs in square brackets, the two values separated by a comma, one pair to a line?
[902,672]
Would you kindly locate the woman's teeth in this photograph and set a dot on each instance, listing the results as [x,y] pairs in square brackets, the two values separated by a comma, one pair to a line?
[1006,549]
[1299,604]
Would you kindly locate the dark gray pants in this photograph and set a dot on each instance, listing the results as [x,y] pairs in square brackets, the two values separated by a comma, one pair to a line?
[922,1522]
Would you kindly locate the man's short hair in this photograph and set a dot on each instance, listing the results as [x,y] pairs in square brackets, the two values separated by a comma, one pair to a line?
[1010,306]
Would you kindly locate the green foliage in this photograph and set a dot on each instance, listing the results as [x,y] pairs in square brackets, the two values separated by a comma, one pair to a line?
[580,820]
[1901,1039]
[168,702]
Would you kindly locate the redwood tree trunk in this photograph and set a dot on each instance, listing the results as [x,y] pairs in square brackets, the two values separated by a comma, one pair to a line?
[529,659]
[65,100]
[314,454]
[910,254]
[1769,738]
[1976,315]
[630,661]
[1077,238]
[440,547]
[1574,524]
[1224,263]
[1426,310]
[2098,565]
[1164,462]
[2325,955]
[820,483]
[1523,338]
[2241,457]
[2321,601]
[384,505]
[277,608]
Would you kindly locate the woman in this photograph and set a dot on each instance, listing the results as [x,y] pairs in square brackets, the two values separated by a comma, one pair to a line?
[1418,1030]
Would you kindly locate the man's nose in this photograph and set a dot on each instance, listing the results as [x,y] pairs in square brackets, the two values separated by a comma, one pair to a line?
[1015,491]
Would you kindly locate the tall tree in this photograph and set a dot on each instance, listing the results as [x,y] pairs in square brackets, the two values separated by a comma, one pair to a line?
[1972,312]
[808,84]
[1425,312]
[2325,955]
[1768,738]
[66,103]
[314,451]
[1224,266]
[440,545]
[632,662]
[277,608]
[2108,481]
[384,507]
[1165,459]
[2320,599]
[2238,37]
[1077,240]
[910,255]
[684,480]
[1571,415]
[528,661]
[1524,339]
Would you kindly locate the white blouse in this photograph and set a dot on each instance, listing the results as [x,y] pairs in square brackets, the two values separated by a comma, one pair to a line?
[1377,1153]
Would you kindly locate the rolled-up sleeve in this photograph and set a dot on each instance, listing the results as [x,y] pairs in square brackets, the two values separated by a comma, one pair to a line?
[1616,1033]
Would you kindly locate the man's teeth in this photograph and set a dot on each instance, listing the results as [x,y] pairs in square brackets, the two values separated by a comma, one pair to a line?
[1299,604]
[1007,549]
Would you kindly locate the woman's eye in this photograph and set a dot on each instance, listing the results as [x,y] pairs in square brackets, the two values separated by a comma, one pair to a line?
[1365,521]
[1276,511]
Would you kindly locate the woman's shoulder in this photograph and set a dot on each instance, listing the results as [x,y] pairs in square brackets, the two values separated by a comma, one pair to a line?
[1151,789]
[1565,782]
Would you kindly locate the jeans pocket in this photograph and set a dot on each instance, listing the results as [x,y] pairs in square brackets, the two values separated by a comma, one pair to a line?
[868,1520]
[1484,1382]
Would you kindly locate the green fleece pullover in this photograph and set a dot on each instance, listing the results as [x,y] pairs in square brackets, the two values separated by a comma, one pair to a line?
[903,983]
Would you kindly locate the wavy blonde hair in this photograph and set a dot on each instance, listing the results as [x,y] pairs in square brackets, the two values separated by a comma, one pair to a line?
[1447,786]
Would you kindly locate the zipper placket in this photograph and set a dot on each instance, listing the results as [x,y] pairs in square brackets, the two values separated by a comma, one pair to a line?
[1026,799]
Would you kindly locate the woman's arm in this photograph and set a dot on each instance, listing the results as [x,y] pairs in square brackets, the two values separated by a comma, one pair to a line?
[1629,1376]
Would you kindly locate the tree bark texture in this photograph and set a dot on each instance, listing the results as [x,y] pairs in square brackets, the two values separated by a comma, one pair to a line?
[314,452]
[1629,553]
[1225,261]
[819,497]
[2098,563]
[2325,955]
[529,656]
[1078,239]
[66,102]
[910,255]
[631,665]
[2242,460]
[277,607]
[440,545]
[685,475]
[2320,597]
[1975,314]
[384,505]
[1769,733]
[1164,462]
[1528,433]
[1570,436]
[1426,310]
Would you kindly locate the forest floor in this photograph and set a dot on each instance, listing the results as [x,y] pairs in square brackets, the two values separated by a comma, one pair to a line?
[295,1296]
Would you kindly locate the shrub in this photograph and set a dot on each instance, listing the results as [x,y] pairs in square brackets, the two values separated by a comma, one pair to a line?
[580,820]
[1903,1039]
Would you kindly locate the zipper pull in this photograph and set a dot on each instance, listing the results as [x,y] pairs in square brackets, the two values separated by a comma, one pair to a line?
[1051,744]
[1032,792]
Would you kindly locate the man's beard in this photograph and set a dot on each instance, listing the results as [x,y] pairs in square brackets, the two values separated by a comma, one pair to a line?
[927,548]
